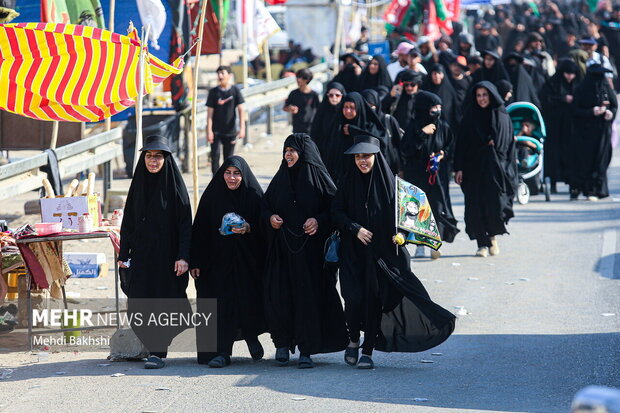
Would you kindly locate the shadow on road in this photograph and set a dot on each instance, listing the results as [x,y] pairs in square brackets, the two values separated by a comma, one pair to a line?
[503,372]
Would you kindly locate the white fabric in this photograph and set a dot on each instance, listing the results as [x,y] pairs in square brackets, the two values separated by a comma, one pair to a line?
[153,12]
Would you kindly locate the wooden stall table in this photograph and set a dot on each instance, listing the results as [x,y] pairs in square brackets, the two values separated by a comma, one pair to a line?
[24,242]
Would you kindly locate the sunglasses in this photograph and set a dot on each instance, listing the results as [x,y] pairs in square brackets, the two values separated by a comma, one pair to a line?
[405,84]
[334,95]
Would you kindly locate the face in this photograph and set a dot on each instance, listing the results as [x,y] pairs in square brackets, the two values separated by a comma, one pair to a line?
[508,96]
[301,82]
[436,108]
[456,69]
[569,77]
[482,97]
[424,48]
[412,208]
[349,111]
[403,58]
[437,77]
[154,161]
[223,76]
[291,156]
[365,162]
[536,45]
[232,177]
[334,96]
[489,61]
[373,67]
[410,87]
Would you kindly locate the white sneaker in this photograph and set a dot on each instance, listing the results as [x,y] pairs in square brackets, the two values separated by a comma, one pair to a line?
[482,252]
[593,198]
[494,250]
[420,251]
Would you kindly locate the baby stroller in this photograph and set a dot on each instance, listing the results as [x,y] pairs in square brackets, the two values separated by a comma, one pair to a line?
[530,152]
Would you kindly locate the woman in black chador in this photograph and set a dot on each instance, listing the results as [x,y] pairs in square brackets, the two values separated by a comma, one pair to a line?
[302,305]
[156,236]
[228,266]
[595,109]
[327,113]
[375,74]
[557,96]
[485,167]
[382,296]
[427,137]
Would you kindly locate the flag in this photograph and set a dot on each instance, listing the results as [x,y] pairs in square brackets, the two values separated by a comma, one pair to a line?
[211,42]
[414,215]
[259,23]
[222,16]
[275,2]
[396,11]
[54,11]
[73,73]
[152,12]
[179,43]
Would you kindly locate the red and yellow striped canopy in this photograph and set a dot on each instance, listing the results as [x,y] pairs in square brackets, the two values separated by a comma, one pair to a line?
[73,73]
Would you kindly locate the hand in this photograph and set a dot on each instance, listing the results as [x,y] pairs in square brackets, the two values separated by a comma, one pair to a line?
[458,177]
[244,229]
[358,69]
[569,98]
[210,136]
[241,134]
[440,157]
[293,109]
[491,142]
[311,226]
[609,114]
[195,273]
[364,235]
[396,90]
[429,129]
[121,264]
[598,110]
[276,221]
[181,267]
[345,129]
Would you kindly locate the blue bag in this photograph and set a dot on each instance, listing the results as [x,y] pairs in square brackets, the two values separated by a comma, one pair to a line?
[332,245]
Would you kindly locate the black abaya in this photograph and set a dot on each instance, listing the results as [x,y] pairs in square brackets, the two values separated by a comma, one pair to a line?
[523,89]
[382,296]
[592,143]
[326,116]
[558,116]
[231,266]
[417,149]
[450,110]
[489,171]
[155,233]
[381,78]
[302,305]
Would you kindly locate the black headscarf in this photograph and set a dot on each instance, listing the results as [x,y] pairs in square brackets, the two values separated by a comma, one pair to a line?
[371,97]
[411,321]
[326,115]
[348,78]
[523,86]
[449,106]
[495,73]
[381,78]
[503,87]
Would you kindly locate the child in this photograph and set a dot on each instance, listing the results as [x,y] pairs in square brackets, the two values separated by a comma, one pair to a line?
[302,102]
[223,103]
[527,151]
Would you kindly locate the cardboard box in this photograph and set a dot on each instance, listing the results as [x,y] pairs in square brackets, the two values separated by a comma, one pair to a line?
[87,264]
[67,210]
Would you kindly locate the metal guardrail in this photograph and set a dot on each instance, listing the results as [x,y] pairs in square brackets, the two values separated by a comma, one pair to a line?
[24,175]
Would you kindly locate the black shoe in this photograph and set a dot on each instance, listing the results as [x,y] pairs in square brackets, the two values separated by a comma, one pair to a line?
[256,349]
[554,188]
[351,353]
[365,363]
[574,194]
[282,356]
[154,362]
[305,362]
[219,361]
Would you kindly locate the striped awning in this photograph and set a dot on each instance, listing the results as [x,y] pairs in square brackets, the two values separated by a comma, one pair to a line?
[73,73]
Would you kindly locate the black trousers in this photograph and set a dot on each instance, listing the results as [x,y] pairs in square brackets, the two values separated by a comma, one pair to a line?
[216,150]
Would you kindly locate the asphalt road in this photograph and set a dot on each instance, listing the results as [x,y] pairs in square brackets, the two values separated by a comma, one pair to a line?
[543,322]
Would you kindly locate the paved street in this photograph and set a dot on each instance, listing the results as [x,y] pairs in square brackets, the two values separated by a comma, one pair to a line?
[543,321]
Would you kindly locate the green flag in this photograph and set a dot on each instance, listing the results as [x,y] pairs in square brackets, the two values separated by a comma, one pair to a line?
[86,13]
[440,8]
[223,17]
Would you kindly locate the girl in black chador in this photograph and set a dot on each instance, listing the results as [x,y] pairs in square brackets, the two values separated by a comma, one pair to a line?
[227,261]
[302,305]
[382,296]
[156,236]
